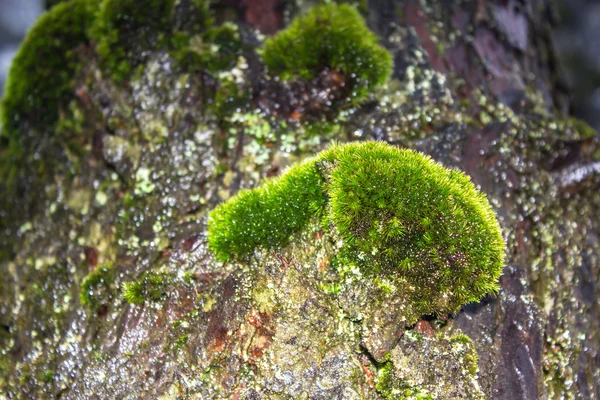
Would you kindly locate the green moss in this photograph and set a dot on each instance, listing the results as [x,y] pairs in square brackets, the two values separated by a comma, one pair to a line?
[95,286]
[329,37]
[40,80]
[470,358]
[151,286]
[125,30]
[47,376]
[268,215]
[395,211]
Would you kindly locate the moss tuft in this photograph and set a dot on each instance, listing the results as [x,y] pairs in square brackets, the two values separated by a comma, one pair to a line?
[584,130]
[125,29]
[40,79]
[395,211]
[151,286]
[329,37]
[95,285]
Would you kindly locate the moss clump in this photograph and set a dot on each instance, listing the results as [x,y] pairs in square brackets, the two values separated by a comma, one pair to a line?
[329,37]
[151,286]
[125,29]
[95,285]
[269,215]
[40,80]
[395,211]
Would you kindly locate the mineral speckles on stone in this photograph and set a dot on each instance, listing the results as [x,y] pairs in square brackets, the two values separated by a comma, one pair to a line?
[298,322]
[441,367]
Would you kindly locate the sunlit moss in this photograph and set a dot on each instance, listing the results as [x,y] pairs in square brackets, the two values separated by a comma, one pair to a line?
[151,286]
[329,37]
[396,212]
[268,215]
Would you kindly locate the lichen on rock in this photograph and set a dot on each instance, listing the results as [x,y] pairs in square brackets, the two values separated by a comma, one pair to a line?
[318,311]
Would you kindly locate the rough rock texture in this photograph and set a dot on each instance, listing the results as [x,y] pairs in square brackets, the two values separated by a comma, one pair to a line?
[473,86]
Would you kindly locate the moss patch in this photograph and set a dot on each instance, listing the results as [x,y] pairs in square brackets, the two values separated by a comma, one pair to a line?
[329,37]
[96,285]
[40,80]
[393,211]
[151,286]
[268,215]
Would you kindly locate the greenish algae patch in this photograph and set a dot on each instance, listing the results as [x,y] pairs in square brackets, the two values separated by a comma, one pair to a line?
[329,37]
[422,368]
[391,210]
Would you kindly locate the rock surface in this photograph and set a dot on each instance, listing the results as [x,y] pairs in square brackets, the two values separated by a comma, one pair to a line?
[473,86]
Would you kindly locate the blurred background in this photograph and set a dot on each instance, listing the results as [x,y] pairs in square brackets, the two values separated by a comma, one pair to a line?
[576,37]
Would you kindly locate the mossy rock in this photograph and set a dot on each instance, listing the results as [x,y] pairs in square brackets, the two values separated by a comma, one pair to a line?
[40,80]
[124,29]
[331,37]
[427,368]
[395,212]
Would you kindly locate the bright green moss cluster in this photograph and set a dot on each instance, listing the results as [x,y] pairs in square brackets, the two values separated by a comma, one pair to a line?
[40,80]
[329,36]
[151,286]
[396,211]
[268,215]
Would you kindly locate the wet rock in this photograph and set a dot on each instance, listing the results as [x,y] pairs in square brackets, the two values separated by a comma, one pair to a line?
[166,147]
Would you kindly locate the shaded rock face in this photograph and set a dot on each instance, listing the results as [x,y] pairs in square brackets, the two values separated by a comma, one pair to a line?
[156,157]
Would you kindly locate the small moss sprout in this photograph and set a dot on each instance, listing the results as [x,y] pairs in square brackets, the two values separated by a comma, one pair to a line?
[396,211]
[151,286]
[95,285]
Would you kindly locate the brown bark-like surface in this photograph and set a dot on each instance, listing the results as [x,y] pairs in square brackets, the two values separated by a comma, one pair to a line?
[474,85]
